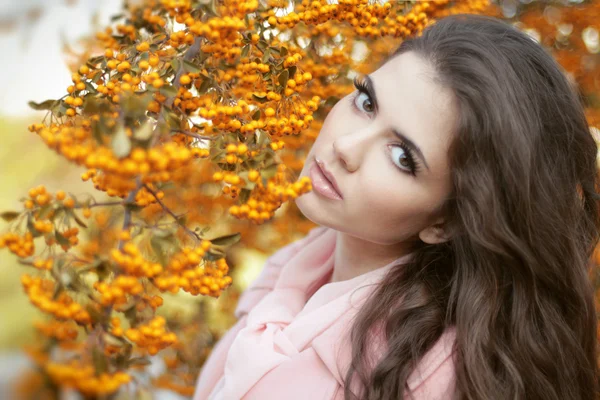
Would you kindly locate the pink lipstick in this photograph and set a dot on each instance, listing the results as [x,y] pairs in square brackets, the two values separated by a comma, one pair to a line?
[323,182]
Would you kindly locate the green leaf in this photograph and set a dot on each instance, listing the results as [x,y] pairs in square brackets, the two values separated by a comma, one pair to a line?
[99,360]
[269,172]
[171,118]
[262,45]
[189,66]
[44,105]
[168,90]
[213,255]
[79,222]
[245,51]
[135,105]
[45,210]
[205,85]
[227,240]
[266,56]
[156,243]
[31,228]
[256,115]
[244,195]
[133,207]
[131,315]
[175,64]
[260,99]
[283,51]
[9,215]
[139,361]
[121,145]
[283,77]
[63,241]
[292,70]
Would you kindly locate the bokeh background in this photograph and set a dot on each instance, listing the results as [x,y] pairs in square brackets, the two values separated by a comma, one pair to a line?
[37,39]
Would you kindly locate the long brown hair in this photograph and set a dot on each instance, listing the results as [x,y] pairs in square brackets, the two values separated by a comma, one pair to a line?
[523,218]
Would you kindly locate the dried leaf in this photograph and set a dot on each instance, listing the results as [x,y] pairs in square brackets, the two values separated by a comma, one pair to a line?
[227,240]
[44,105]
[61,239]
[283,77]
[9,215]
[144,132]
[121,145]
[169,90]
[79,222]
[189,66]
[245,51]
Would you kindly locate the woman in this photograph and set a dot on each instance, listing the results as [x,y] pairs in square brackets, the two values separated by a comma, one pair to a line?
[452,253]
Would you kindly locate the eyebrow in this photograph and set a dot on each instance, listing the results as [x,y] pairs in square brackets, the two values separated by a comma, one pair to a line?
[371,92]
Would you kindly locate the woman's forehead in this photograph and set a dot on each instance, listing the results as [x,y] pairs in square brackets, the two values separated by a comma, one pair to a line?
[412,102]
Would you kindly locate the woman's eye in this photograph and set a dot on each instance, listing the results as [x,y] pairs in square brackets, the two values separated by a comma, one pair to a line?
[363,102]
[401,158]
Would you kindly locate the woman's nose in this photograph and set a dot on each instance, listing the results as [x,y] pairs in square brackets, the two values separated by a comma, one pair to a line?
[350,148]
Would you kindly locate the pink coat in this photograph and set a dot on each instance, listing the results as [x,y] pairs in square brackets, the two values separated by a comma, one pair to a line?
[291,339]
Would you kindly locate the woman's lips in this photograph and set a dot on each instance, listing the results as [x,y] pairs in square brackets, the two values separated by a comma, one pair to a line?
[321,184]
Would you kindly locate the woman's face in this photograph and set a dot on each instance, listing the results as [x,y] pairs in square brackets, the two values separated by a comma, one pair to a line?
[390,188]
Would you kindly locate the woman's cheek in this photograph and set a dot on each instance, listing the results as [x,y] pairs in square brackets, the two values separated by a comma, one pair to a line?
[383,198]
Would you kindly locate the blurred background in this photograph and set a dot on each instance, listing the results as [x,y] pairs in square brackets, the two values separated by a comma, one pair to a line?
[37,39]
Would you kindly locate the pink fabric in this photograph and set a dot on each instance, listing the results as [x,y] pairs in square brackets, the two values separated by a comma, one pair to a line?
[291,339]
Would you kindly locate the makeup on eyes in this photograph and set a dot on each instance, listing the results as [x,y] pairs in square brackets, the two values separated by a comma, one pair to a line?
[365,86]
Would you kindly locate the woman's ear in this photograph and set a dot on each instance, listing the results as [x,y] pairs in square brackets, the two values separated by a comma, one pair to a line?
[434,233]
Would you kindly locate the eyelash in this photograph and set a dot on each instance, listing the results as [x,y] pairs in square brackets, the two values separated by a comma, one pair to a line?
[413,164]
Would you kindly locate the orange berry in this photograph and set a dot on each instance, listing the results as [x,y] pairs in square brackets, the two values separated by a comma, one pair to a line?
[153,61]
[144,46]
[69,202]
[185,80]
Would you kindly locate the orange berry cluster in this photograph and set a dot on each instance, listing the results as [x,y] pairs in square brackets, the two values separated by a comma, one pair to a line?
[152,337]
[184,272]
[295,123]
[177,7]
[83,378]
[367,19]
[40,292]
[61,331]
[40,196]
[116,328]
[143,197]
[132,263]
[43,264]
[71,235]
[115,292]
[263,203]
[209,280]
[153,19]
[145,300]
[21,246]
[154,164]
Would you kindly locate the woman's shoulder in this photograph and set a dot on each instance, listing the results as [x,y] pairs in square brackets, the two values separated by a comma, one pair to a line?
[268,276]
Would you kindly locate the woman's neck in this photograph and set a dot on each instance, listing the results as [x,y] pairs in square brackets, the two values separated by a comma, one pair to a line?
[355,256]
